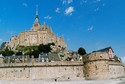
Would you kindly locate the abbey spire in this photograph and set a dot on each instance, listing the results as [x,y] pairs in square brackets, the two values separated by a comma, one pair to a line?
[37,17]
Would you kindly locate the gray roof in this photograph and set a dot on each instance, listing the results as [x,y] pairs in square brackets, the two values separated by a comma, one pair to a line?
[105,49]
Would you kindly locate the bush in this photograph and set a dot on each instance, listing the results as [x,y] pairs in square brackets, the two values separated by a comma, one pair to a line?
[28,52]
[36,53]
[45,48]
[7,52]
[18,53]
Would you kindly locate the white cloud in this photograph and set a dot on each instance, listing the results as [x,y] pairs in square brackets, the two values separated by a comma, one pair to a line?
[67,1]
[90,28]
[57,10]
[83,2]
[48,17]
[97,9]
[25,5]
[70,1]
[123,59]
[69,10]
[1,40]
[103,4]
[68,40]
[11,32]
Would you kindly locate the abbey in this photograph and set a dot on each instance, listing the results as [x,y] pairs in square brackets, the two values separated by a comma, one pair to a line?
[38,34]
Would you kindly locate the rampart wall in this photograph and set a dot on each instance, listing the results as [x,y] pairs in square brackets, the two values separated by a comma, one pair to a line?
[98,66]
[116,69]
[42,71]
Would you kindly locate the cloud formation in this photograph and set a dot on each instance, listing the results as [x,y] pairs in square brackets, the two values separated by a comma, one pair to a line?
[67,1]
[25,4]
[97,9]
[57,10]
[90,28]
[48,17]
[11,32]
[83,2]
[103,4]
[1,40]
[123,59]
[69,10]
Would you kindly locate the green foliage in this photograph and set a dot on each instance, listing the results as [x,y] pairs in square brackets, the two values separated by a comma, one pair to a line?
[54,52]
[7,52]
[18,53]
[116,59]
[23,48]
[45,48]
[36,53]
[28,52]
[81,51]
[62,54]
[2,45]
[20,48]
[69,58]
[51,44]
[35,50]
[31,47]
[1,51]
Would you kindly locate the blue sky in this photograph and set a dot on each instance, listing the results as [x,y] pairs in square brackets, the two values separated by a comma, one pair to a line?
[92,24]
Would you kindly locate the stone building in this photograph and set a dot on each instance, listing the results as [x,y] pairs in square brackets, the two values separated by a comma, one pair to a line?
[100,65]
[109,51]
[38,34]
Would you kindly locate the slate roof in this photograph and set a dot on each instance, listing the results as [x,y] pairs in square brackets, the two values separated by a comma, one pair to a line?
[105,50]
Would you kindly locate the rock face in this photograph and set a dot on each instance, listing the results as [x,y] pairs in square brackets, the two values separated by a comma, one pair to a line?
[98,66]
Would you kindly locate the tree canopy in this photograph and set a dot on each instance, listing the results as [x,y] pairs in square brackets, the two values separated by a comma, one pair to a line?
[44,48]
[7,52]
[81,51]
[2,45]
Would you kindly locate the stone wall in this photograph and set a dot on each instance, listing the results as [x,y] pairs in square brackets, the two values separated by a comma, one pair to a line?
[116,69]
[36,36]
[42,71]
[98,66]
[96,70]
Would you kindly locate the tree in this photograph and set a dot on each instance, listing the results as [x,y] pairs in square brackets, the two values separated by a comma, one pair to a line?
[7,52]
[18,53]
[81,51]
[116,58]
[51,44]
[45,48]
[28,52]
[36,53]
[41,48]
[2,45]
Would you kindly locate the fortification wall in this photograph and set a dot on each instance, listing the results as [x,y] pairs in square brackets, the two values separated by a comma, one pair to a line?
[98,66]
[116,69]
[42,71]
[96,70]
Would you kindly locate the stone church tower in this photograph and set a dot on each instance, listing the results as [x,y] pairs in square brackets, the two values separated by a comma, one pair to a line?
[38,34]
